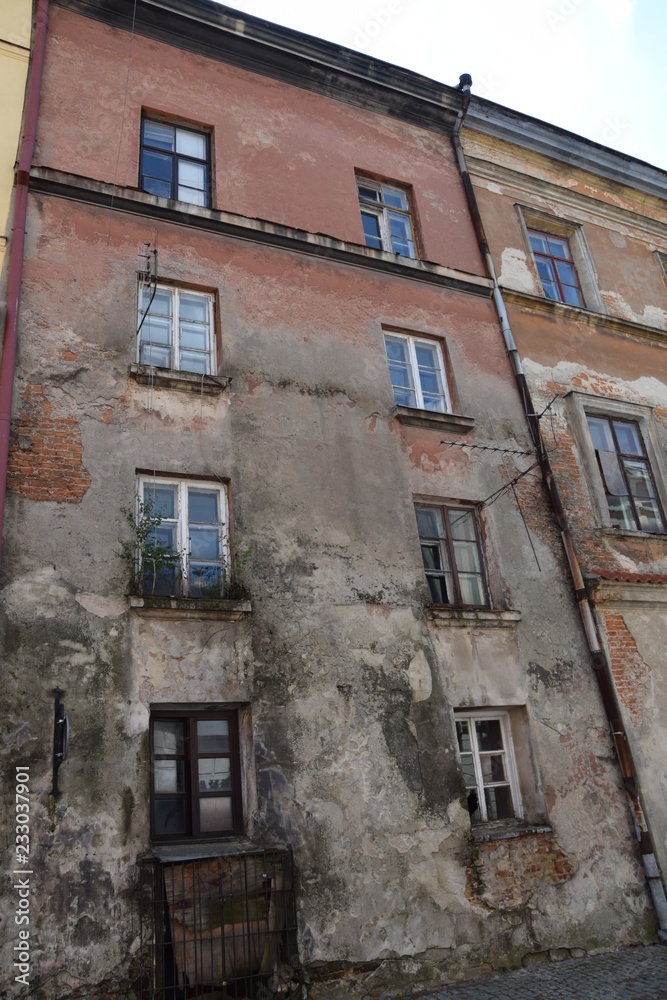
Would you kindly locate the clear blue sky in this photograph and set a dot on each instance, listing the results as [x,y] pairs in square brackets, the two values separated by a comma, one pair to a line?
[595,67]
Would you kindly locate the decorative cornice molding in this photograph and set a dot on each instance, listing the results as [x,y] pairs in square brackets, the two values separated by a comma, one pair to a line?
[44,180]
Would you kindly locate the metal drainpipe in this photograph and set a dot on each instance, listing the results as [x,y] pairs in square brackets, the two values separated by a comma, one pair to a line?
[600,663]
[16,248]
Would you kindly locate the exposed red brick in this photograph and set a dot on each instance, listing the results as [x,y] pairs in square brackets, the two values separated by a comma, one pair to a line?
[631,673]
[506,874]
[46,454]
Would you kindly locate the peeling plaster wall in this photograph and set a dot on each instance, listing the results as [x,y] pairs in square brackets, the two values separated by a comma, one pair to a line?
[351,684]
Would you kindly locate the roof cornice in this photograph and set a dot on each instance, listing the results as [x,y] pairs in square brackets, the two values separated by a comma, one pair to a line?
[221,33]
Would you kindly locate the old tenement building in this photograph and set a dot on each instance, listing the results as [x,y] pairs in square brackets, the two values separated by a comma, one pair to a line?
[278,540]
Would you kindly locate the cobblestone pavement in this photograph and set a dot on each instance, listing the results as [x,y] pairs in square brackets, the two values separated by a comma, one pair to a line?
[631,974]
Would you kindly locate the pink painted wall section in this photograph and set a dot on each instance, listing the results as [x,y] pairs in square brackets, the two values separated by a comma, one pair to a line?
[280,153]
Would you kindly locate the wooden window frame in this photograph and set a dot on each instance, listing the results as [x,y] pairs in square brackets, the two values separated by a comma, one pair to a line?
[448,543]
[192,794]
[176,291]
[554,260]
[176,158]
[511,774]
[412,340]
[382,211]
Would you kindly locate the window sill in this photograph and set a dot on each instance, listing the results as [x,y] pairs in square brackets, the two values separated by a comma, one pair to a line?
[473,618]
[611,532]
[508,830]
[193,849]
[430,418]
[193,608]
[165,378]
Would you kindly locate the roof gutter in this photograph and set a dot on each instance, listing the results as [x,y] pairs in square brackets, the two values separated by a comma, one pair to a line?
[598,656]
[15,276]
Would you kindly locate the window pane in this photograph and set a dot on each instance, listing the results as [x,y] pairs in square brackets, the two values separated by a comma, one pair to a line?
[214,774]
[371,230]
[551,291]
[436,403]
[194,336]
[401,235]
[572,296]
[205,580]
[489,736]
[432,556]
[191,144]
[462,525]
[439,589]
[163,497]
[394,197]
[566,274]
[168,775]
[168,737]
[545,270]
[538,243]
[160,188]
[156,329]
[203,505]
[157,165]
[160,303]
[162,584]
[215,814]
[204,543]
[650,518]
[639,479]
[498,803]
[193,308]
[621,513]
[463,736]
[559,248]
[159,134]
[468,769]
[493,768]
[169,816]
[612,474]
[397,349]
[601,434]
[192,175]
[405,397]
[401,375]
[472,589]
[466,557]
[369,193]
[213,736]
[430,522]
[191,196]
[197,363]
[628,438]
[156,357]
[427,356]
[430,381]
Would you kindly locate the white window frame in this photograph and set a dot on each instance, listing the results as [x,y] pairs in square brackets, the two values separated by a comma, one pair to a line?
[381,212]
[183,540]
[414,366]
[174,340]
[503,718]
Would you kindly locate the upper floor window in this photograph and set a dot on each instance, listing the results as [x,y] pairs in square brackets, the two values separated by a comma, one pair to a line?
[385,216]
[487,762]
[175,162]
[417,372]
[192,531]
[195,775]
[176,329]
[556,268]
[627,477]
[452,555]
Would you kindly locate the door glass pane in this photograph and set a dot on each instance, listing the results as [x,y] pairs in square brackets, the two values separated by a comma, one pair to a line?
[213,736]
[488,734]
[167,737]
[214,774]
[168,775]
[158,134]
[169,816]
[215,814]
[191,144]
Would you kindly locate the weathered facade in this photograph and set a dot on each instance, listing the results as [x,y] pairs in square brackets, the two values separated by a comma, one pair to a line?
[254,307]
[595,362]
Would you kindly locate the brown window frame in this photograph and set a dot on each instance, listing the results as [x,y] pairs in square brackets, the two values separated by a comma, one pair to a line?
[554,260]
[176,160]
[191,794]
[448,542]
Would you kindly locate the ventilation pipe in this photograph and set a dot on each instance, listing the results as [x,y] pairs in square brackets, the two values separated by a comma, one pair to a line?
[599,659]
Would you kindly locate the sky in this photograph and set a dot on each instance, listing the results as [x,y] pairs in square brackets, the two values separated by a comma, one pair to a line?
[594,67]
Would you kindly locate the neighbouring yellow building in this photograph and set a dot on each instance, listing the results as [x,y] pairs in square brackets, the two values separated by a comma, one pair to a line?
[15,26]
